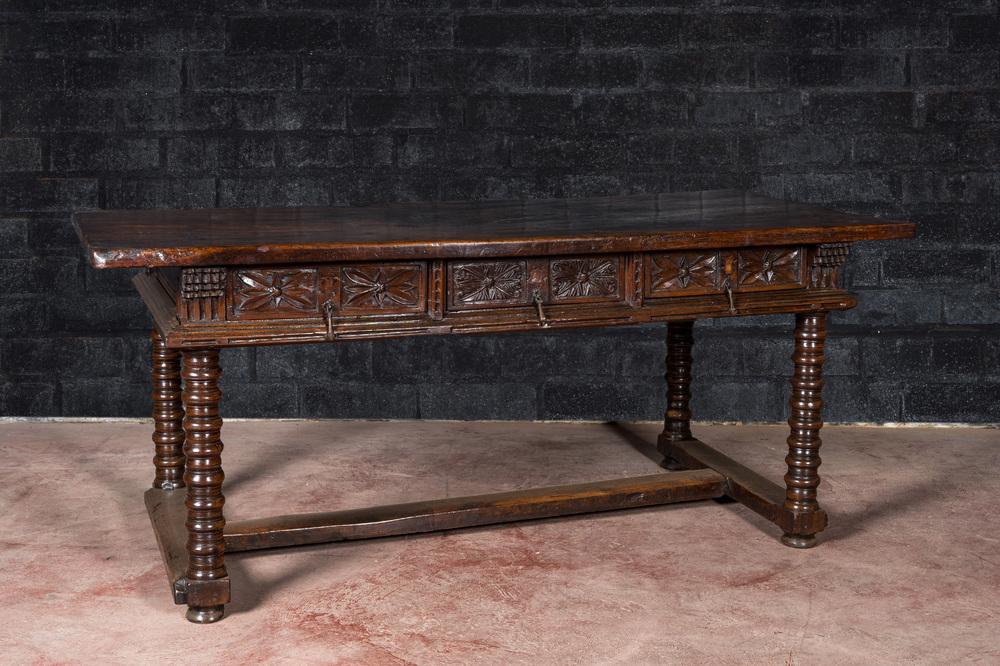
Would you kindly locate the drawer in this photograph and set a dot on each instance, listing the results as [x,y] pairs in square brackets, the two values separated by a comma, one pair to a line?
[493,283]
[350,289]
[709,271]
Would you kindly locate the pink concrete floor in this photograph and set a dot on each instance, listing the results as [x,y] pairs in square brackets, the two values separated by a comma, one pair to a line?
[907,572]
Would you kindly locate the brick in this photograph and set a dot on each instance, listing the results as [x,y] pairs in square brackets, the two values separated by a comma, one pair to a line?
[57,114]
[897,30]
[862,400]
[98,314]
[460,357]
[749,401]
[172,34]
[631,111]
[409,32]
[474,402]
[825,188]
[258,400]
[20,155]
[696,70]
[586,70]
[247,73]
[310,112]
[769,355]
[22,314]
[978,147]
[758,29]
[654,30]
[774,149]
[107,282]
[14,238]
[601,399]
[53,235]
[495,31]
[131,74]
[972,307]
[860,108]
[177,114]
[47,194]
[952,403]
[361,189]
[472,70]
[405,111]
[161,193]
[356,72]
[471,184]
[856,70]
[323,5]
[62,357]
[978,224]
[270,33]
[107,398]
[360,400]
[299,152]
[451,149]
[936,223]
[971,187]
[600,150]
[946,69]
[965,106]
[38,275]
[520,111]
[347,361]
[532,355]
[940,265]
[104,153]
[901,148]
[28,399]
[975,32]
[49,37]
[749,108]
[254,192]
[649,149]
[31,75]
[256,112]
[195,153]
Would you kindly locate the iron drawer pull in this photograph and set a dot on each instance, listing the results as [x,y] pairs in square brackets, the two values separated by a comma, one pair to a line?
[537,297]
[328,311]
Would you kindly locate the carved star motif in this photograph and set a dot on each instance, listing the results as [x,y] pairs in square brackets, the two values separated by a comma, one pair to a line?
[277,290]
[380,287]
[578,278]
[683,270]
[769,266]
[489,282]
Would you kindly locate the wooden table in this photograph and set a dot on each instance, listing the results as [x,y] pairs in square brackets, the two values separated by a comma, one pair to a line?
[224,278]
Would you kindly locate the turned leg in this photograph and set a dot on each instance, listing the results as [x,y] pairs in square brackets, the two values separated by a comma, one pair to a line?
[207,582]
[168,415]
[804,442]
[677,419]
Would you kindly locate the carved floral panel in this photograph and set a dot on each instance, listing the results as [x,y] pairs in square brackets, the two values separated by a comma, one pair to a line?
[679,271]
[263,292]
[584,278]
[488,283]
[770,267]
[381,287]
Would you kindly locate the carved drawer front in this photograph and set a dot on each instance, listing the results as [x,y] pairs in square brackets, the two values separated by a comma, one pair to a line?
[697,272]
[487,284]
[769,267]
[274,293]
[586,279]
[393,288]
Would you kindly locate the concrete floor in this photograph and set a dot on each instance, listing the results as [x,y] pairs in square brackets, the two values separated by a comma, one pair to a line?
[907,573]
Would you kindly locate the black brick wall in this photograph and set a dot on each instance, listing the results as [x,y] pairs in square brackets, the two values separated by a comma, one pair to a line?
[889,109]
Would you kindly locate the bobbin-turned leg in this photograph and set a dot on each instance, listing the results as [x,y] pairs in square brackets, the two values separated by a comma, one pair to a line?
[206,580]
[677,419]
[804,442]
[168,415]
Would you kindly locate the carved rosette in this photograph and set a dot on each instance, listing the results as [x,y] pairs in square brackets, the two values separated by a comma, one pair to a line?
[275,291]
[202,293]
[584,278]
[770,267]
[493,282]
[684,270]
[824,269]
[380,287]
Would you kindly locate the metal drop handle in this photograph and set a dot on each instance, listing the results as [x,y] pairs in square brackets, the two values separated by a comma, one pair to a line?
[328,308]
[536,296]
[729,293]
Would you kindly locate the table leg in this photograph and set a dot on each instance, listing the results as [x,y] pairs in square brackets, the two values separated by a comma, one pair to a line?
[168,415]
[803,443]
[206,579]
[677,419]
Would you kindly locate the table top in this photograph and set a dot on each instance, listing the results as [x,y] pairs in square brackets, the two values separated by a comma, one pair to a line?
[720,218]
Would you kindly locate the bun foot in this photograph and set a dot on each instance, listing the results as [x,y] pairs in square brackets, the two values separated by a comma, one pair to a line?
[672,465]
[205,614]
[798,540]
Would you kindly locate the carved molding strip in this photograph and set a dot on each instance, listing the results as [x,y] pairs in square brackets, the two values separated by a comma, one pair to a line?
[593,278]
[824,269]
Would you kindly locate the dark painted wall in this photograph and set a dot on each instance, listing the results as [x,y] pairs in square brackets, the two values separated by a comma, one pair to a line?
[883,108]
